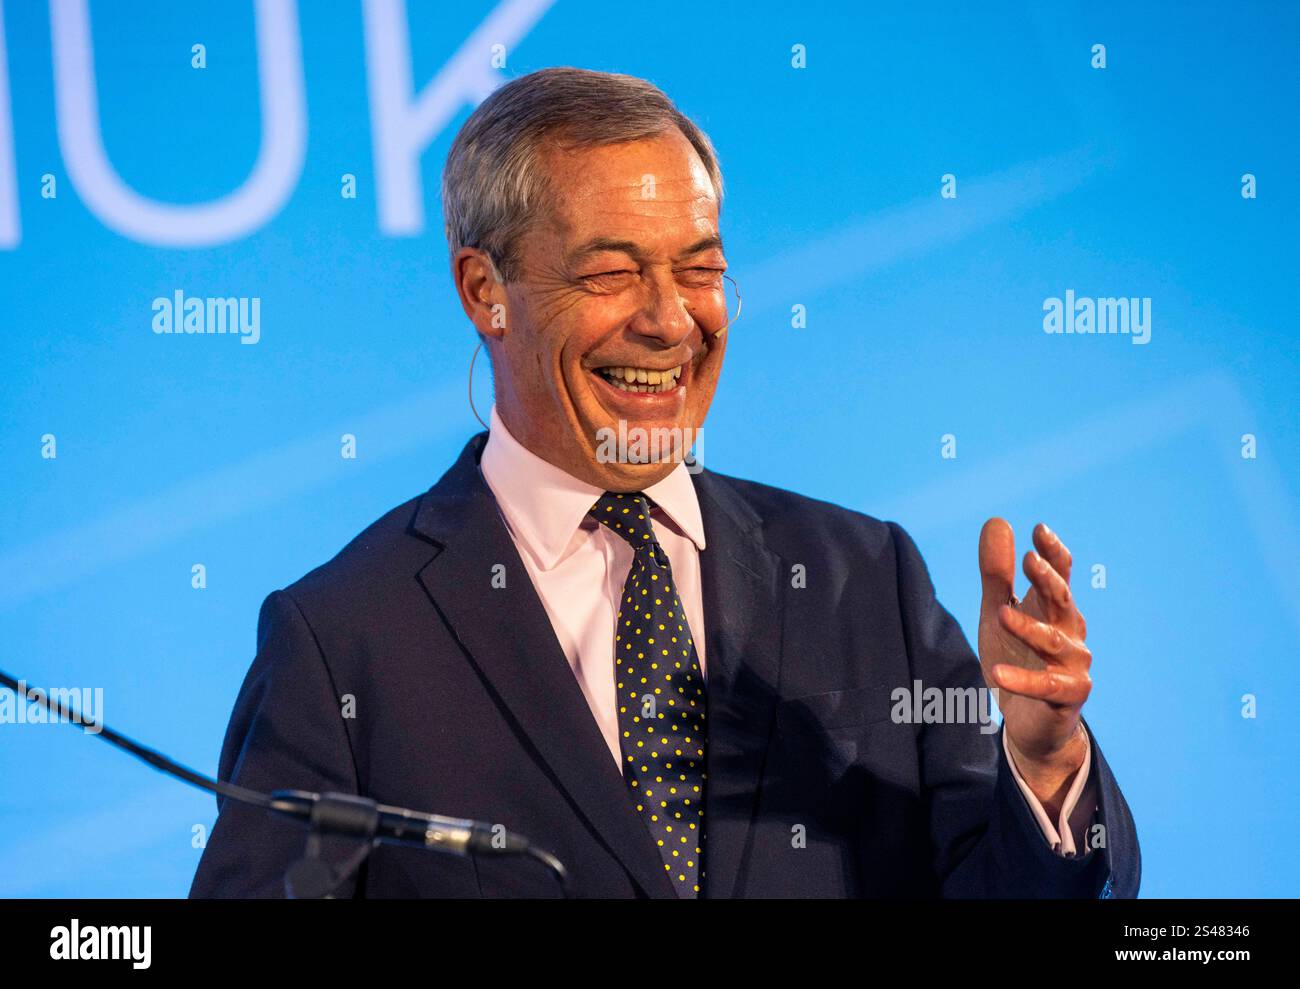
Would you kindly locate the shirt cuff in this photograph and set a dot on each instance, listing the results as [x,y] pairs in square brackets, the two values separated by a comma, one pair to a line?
[1075,812]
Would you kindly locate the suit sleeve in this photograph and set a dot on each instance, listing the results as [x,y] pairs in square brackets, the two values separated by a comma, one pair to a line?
[286,732]
[984,840]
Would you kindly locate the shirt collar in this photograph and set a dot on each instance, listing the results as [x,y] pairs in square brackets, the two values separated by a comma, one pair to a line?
[544,506]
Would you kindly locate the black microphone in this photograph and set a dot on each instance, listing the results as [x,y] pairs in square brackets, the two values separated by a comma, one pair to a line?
[361,817]
[343,814]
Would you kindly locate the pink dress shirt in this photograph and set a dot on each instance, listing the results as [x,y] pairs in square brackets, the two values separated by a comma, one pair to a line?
[568,556]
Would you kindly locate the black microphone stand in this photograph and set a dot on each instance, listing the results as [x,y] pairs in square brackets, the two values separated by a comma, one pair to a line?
[355,819]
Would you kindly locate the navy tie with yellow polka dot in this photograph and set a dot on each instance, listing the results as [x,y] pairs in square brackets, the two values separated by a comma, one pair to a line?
[661,701]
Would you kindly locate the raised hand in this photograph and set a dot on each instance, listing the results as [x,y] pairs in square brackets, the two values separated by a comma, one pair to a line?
[1033,652]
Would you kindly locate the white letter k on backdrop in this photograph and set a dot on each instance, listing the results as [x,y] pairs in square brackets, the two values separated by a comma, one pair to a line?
[402,127]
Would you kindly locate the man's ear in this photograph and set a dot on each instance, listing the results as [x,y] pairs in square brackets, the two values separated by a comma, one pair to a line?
[482,291]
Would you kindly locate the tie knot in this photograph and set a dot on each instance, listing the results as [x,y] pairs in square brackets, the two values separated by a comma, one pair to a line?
[628,516]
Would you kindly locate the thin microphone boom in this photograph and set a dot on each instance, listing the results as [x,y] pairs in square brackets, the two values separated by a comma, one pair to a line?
[345,814]
[155,759]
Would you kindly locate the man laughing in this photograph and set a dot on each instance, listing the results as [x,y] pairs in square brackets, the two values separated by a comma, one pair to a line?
[682,684]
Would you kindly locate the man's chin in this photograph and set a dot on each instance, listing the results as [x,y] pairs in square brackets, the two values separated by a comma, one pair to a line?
[631,455]
[622,478]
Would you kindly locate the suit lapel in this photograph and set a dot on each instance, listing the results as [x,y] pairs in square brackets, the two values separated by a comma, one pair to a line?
[741,581]
[508,636]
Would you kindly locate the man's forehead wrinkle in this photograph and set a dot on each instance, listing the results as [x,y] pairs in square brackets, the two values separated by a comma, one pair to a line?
[617,204]
[574,188]
[623,224]
[639,213]
[664,191]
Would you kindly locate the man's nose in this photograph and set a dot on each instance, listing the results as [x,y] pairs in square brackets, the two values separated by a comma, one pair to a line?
[663,313]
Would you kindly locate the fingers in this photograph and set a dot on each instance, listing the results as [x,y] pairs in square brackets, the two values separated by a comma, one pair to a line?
[1053,686]
[1055,647]
[1049,544]
[1058,604]
[997,563]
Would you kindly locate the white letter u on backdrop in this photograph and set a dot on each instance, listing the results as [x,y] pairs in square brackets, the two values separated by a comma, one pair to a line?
[279,159]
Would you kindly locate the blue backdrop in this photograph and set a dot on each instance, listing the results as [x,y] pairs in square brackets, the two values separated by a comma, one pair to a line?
[128,173]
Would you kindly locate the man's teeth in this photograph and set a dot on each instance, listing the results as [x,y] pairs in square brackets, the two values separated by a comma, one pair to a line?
[640,379]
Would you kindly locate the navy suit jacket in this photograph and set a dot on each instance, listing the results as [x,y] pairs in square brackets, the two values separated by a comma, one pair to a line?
[399,671]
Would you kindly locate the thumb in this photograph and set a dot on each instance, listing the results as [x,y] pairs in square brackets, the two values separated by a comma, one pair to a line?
[997,565]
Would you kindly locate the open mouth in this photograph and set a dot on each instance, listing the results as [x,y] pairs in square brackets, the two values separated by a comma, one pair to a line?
[641,379]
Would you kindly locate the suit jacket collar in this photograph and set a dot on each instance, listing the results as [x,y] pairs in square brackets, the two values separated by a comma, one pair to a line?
[507,635]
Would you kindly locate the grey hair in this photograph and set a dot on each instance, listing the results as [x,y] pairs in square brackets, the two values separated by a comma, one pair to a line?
[493,184]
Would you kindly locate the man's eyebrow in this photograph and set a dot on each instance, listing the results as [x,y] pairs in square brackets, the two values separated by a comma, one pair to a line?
[703,244]
[598,244]
[633,249]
